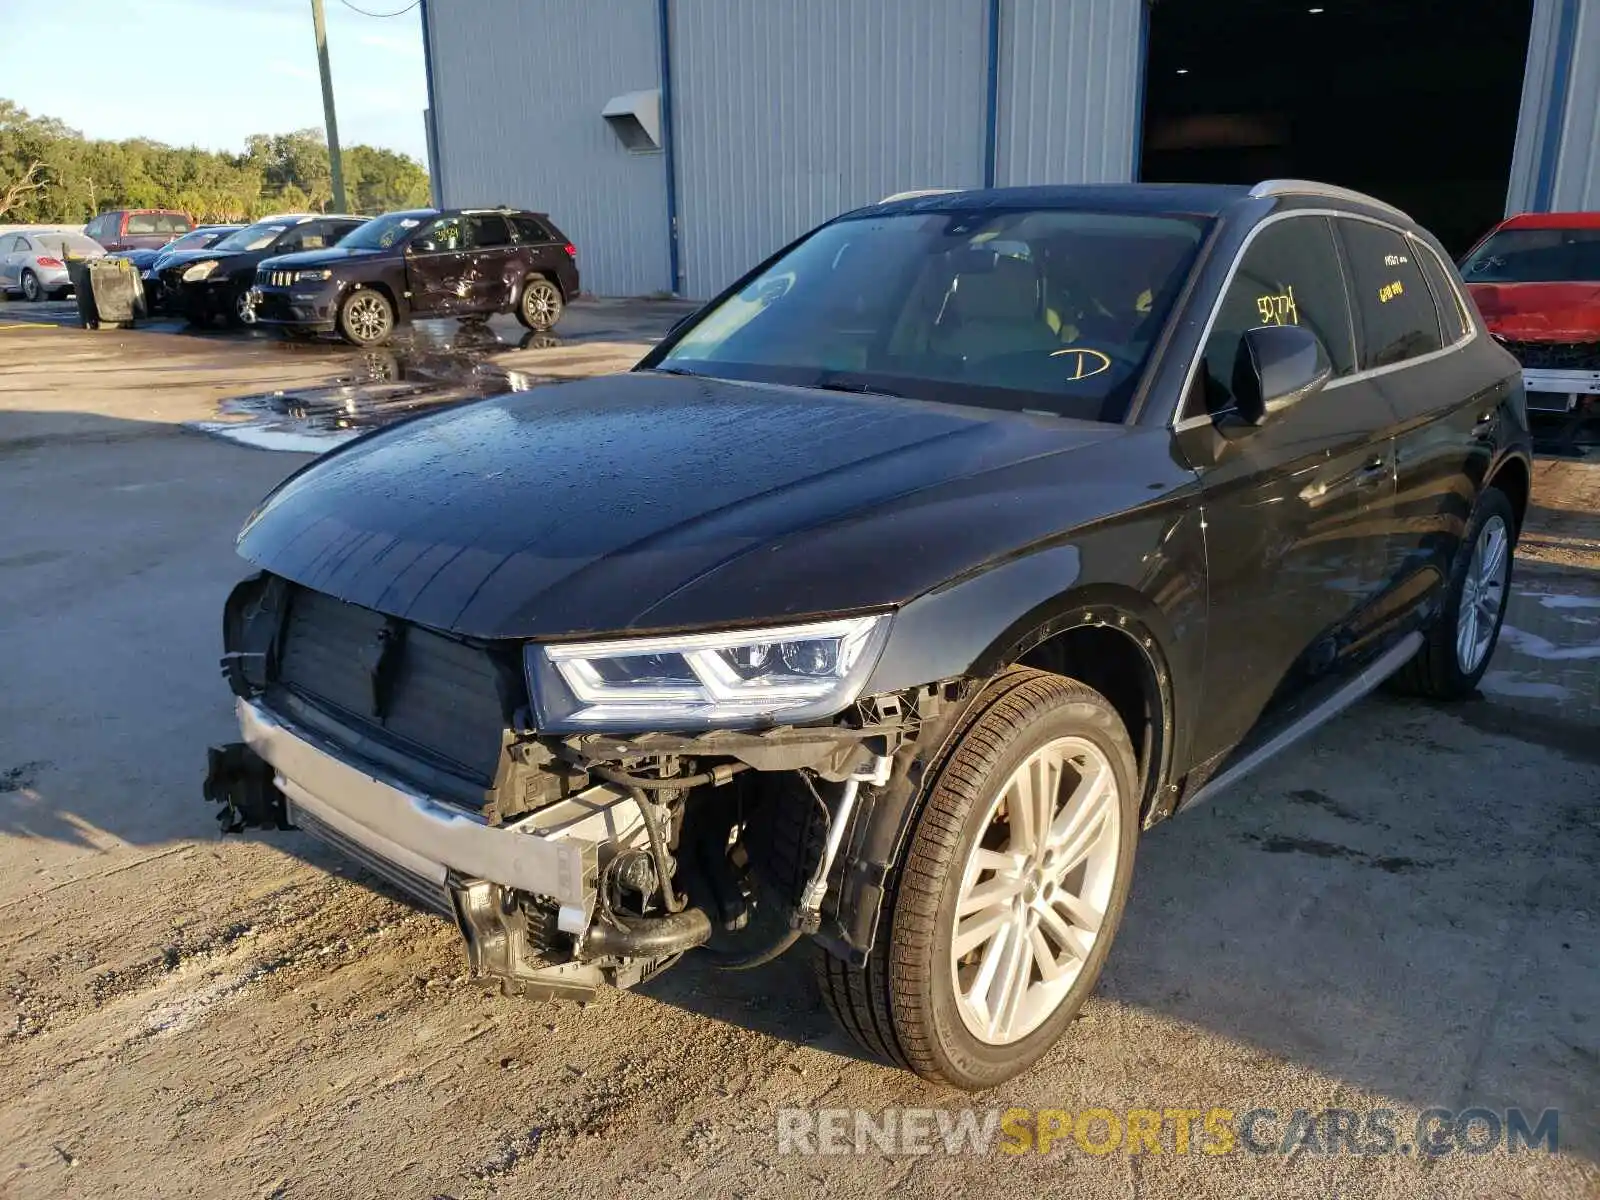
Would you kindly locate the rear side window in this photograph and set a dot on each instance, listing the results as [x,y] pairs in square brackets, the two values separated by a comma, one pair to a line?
[489,230]
[1453,320]
[1394,308]
[531,229]
[1289,275]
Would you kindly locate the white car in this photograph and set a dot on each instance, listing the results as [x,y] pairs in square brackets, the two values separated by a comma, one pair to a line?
[34,262]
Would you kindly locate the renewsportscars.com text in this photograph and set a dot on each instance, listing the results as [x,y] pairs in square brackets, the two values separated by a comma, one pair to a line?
[1431,1133]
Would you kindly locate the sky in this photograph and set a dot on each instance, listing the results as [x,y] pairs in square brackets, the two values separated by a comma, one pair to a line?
[209,73]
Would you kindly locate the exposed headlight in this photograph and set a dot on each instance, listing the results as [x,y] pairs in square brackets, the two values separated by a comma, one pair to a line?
[312,276]
[696,681]
[199,271]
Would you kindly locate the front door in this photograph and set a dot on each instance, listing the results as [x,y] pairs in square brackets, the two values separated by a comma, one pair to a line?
[1294,509]
[437,269]
[8,260]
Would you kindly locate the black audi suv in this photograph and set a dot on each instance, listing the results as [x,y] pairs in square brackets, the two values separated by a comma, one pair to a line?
[890,599]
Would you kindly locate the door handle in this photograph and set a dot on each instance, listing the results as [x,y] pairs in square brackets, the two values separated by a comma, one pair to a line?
[1375,471]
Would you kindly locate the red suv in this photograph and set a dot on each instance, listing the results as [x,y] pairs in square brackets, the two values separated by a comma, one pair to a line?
[138,228]
[1536,279]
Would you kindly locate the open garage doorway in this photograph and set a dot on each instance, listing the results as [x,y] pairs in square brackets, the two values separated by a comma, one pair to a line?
[1413,101]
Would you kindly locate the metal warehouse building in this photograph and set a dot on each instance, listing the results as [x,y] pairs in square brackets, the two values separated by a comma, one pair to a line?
[678,142]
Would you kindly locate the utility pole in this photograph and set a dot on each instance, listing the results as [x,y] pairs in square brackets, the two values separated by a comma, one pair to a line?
[335,166]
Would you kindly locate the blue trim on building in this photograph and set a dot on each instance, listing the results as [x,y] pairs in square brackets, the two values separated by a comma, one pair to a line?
[668,138]
[435,174]
[1555,115]
[1141,82]
[991,116]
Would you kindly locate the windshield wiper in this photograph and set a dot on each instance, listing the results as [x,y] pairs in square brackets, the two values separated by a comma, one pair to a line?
[834,384]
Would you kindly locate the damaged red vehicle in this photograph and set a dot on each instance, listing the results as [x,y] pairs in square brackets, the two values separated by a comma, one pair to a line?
[1536,279]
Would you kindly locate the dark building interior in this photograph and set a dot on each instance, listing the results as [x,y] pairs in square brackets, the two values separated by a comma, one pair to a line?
[1413,101]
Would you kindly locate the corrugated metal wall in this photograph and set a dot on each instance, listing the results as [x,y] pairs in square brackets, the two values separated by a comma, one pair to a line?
[1556,164]
[788,112]
[1070,75]
[518,88]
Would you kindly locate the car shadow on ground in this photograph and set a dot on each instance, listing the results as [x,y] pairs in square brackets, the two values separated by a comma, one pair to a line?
[1403,904]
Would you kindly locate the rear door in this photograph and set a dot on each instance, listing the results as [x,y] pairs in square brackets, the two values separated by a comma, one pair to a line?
[1294,508]
[436,268]
[541,251]
[493,271]
[1412,326]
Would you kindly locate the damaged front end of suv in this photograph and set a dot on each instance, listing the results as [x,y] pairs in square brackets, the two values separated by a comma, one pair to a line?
[556,800]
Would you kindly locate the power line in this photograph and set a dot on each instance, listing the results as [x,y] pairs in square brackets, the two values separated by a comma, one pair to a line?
[402,12]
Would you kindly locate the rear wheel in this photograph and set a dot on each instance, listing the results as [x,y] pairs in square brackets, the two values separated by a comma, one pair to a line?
[1010,891]
[540,305]
[31,291]
[1462,641]
[366,317]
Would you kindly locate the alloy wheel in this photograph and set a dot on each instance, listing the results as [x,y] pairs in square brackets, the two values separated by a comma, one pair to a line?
[244,309]
[1483,594]
[541,303]
[30,286]
[367,317]
[1035,890]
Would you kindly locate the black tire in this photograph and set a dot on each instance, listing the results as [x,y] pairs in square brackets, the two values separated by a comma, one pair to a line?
[366,318]
[540,305]
[31,291]
[1437,671]
[901,1005]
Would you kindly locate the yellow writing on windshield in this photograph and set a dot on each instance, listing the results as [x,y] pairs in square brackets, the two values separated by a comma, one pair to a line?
[1390,290]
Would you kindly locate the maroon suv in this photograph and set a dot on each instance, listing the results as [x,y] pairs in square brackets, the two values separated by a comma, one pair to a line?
[138,228]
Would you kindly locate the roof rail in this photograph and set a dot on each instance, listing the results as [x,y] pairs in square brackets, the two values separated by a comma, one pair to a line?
[914,193]
[1308,187]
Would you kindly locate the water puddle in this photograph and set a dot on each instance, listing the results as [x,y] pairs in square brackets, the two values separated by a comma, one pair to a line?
[432,369]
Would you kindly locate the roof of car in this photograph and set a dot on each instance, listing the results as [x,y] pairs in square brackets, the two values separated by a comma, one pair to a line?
[301,218]
[1204,199]
[1553,220]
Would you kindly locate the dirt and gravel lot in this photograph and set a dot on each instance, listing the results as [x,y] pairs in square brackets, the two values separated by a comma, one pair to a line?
[1401,913]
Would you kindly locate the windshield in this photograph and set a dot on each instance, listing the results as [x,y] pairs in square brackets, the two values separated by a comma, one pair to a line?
[197,240]
[253,237]
[1536,256]
[1047,311]
[381,232]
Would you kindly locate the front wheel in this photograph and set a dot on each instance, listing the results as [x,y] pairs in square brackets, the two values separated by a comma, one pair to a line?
[366,317]
[1004,906]
[1462,641]
[31,291]
[540,305]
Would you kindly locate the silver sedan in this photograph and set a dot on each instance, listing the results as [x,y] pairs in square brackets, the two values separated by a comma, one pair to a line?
[34,262]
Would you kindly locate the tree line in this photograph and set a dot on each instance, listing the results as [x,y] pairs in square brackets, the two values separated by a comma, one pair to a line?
[51,174]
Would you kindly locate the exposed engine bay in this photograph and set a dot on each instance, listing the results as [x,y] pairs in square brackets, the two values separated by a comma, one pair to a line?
[589,858]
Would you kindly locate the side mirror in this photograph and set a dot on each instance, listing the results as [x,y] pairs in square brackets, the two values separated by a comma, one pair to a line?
[1276,367]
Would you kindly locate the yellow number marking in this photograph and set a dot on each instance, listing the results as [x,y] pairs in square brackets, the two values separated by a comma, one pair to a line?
[1279,309]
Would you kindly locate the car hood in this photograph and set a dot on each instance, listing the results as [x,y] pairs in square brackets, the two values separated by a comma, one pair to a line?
[651,501]
[331,257]
[1540,312]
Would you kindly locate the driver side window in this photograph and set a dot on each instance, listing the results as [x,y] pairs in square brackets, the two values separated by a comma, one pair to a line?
[1290,275]
[445,234]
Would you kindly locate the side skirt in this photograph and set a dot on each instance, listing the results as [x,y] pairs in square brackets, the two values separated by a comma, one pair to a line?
[1358,687]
